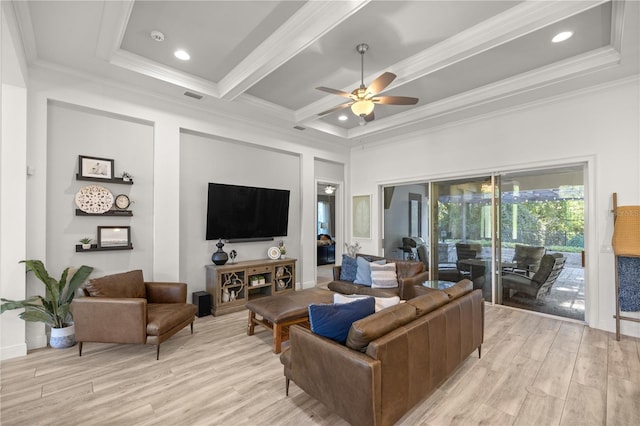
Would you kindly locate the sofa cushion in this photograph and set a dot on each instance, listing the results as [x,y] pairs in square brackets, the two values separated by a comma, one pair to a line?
[459,289]
[349,268]
[383,276]
[162,317]
[363,274]
[429,302]
[334,320]
[125,284]
[381,302]
[365,330]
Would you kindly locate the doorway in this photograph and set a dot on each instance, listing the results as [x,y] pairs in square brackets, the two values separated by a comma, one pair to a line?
[326,230]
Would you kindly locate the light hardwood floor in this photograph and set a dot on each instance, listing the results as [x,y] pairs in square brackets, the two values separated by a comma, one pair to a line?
[534,371]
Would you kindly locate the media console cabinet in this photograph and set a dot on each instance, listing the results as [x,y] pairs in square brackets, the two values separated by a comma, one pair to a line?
[233,284]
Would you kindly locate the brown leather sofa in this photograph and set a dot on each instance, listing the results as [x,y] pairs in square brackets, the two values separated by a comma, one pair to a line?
[410,273]
[123,308]
[392,359]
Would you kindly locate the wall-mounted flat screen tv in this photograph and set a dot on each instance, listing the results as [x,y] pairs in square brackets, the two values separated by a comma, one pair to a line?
[246,212]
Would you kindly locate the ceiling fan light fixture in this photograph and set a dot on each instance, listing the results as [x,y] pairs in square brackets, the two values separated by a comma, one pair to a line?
[362,107]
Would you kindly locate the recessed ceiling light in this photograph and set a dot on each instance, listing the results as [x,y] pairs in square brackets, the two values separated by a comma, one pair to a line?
[565,35]
[182,55]
[343,117]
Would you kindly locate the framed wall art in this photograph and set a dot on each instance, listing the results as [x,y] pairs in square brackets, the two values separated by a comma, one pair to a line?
[95,167]
[114,236]
[361,210]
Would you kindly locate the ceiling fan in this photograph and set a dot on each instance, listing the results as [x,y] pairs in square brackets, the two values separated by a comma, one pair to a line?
[363,98]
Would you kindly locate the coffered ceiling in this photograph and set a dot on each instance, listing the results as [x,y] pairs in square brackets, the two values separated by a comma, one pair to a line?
[264,59]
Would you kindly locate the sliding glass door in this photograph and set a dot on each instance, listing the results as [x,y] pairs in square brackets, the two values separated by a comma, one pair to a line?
[462,231]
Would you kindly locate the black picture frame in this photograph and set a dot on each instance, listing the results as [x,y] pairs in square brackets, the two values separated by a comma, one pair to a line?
[114,236]
[95,167]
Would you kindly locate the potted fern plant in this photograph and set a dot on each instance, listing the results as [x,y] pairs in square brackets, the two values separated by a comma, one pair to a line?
[53,308]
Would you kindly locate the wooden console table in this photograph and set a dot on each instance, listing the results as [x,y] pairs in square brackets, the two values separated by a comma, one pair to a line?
[230,285]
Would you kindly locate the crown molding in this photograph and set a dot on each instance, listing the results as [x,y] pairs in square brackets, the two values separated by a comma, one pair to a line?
[617,21]
[309,23]
[25,24]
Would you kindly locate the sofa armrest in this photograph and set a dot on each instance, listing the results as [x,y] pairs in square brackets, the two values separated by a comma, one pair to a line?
[106,319]
[406,285]
[161,292]
[347,381]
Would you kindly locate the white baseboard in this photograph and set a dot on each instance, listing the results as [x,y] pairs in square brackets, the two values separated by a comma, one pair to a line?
[13,351]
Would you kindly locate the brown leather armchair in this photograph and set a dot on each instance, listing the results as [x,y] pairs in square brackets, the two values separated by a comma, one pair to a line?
[123,308]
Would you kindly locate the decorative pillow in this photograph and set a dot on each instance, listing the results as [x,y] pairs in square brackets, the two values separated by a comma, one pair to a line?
[363,274]
[334,320]
[348,269]
[125,284]
[384,276]
[381,302]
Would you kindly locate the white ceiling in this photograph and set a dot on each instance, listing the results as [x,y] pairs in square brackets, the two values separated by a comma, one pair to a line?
[263,59]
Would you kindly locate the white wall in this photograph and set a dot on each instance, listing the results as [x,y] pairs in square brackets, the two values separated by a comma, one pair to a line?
[13,146]
[208,159]
[600,127]
[74,131]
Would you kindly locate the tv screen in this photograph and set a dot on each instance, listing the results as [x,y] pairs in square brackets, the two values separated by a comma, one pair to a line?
[246,212]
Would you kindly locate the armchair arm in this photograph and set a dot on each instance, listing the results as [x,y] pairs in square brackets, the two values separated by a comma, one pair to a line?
[106,319]
[161,292]
[406,285]
[347,381]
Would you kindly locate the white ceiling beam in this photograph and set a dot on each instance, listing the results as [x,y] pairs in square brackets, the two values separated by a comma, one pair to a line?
[507,26]
[308,24]
[113,25]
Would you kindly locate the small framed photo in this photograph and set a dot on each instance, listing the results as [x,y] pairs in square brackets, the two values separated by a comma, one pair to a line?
[114,236]
[95,167]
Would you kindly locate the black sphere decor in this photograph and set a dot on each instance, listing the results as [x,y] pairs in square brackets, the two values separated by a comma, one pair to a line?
[219,257]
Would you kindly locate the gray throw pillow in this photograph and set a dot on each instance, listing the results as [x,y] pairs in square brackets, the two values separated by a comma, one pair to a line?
[348,268]
[363,274]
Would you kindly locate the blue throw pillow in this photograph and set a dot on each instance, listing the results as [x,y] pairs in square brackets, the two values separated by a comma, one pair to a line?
[348,269]
[363,274]
[334,320]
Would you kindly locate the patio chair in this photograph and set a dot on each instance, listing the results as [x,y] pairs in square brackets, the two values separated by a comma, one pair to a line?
[527,259]
[540,284]
[466,251]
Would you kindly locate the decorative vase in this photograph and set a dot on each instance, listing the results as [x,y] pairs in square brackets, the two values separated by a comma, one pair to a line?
[219,257]
[225,295]
[63,337]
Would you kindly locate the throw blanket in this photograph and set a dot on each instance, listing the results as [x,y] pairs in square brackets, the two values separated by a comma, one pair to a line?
[629,277]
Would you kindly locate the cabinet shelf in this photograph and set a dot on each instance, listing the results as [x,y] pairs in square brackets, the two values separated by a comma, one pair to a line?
[124,213]
[118,180]
[94,247]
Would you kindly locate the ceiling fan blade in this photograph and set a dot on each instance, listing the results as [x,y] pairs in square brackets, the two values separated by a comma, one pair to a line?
[395,100]
[337,108]
[335,92]
[370,117]
[380,83]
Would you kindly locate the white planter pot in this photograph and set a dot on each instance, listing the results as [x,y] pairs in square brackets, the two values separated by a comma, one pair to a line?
[86,246]
[63,337]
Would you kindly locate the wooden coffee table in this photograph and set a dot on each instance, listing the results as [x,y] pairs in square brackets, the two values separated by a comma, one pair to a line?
[279,312]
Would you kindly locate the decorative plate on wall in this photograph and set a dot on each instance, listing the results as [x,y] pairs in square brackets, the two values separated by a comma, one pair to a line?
[273,253]
[94,199]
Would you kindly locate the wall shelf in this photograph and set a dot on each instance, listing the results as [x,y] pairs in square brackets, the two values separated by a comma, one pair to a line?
[94,247]
[124,213]
[112,180]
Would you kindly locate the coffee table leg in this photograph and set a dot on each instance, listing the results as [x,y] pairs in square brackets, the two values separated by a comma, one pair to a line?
[251,325]
[277,338]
